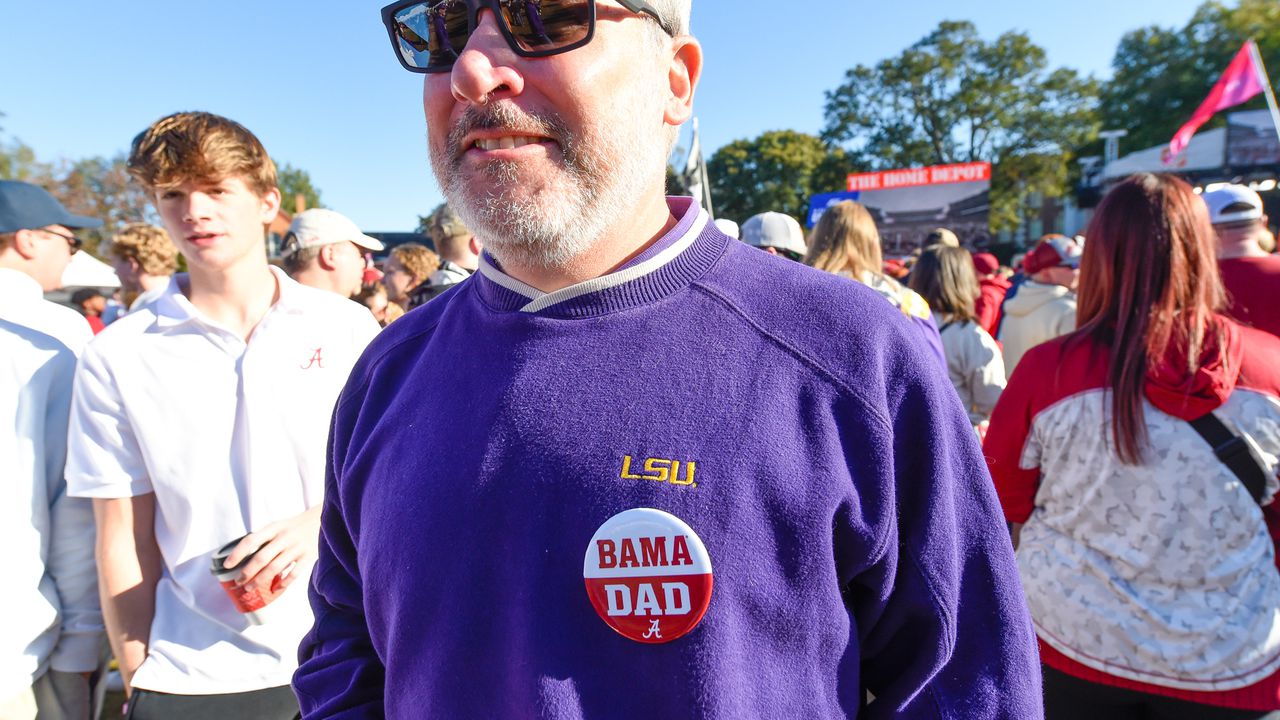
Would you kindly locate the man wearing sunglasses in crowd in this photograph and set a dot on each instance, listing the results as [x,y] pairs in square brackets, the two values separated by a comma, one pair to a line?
[52,642]
[632,467]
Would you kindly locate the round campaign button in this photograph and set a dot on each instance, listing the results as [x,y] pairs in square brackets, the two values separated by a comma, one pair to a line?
[648,575]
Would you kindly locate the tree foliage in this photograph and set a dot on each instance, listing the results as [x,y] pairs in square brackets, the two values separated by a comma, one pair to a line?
[953,97]
[293,182]
[18,160]
[778,171]
[101,188]
[97,187]
[1161,75]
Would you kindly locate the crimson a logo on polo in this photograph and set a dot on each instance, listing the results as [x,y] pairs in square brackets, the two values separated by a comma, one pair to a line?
[648,575]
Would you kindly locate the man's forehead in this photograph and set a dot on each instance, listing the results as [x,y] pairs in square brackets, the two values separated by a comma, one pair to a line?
[201,182]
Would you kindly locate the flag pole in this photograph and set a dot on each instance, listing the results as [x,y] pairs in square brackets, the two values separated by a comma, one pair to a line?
[706,184]
[1266,87]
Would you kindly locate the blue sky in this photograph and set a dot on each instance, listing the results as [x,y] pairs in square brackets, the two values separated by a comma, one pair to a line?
[317,81]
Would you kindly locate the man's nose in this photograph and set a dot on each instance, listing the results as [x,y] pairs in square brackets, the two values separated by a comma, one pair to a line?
[485,70]
[196,207]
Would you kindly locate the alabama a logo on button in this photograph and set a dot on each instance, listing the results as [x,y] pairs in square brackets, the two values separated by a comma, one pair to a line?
[648,575]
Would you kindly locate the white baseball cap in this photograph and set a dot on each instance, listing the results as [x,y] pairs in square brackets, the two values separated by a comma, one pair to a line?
[775,230]
[317,227]
[1233,204]
[728,227]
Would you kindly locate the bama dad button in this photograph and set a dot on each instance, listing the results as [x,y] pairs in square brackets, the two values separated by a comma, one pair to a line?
[648,575]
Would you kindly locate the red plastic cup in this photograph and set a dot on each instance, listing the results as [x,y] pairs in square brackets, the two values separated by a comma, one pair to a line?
[248,602]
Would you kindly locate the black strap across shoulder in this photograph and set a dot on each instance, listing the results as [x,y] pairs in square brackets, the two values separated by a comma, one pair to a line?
[1233,451]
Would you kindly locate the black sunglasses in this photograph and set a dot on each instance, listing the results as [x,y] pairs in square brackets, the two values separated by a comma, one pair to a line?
[73,243]
[429,36]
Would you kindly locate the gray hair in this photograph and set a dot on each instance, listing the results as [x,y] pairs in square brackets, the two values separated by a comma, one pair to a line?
[675,13]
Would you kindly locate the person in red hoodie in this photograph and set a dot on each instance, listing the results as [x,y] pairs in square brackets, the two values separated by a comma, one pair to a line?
[993,288]
[1146,560]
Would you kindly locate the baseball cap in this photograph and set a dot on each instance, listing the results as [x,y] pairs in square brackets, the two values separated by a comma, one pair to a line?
[1233,204]
[1053,251]
[728,227]
[941,236]
[24,206]
[985,263]
[316,227]
[446,223]
[776,230]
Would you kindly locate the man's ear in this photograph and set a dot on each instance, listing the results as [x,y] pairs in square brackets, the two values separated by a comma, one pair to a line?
[270,205]
[326,256]
[476,246]
[682,78]
[24,243]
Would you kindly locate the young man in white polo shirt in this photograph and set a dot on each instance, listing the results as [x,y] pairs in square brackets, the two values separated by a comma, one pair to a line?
[200,418]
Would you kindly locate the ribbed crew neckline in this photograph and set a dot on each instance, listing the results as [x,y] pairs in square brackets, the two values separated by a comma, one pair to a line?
[667,265]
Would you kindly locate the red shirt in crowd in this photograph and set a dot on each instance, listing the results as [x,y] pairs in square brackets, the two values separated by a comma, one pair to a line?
[1253,289]
[987,306]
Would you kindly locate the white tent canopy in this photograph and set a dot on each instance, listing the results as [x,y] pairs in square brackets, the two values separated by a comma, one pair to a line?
[1206,151]
[86,270]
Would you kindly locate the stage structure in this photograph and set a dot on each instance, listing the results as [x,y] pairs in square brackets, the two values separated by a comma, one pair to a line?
[907,204]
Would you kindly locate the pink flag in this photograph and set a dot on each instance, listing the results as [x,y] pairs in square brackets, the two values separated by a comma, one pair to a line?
[1241,81]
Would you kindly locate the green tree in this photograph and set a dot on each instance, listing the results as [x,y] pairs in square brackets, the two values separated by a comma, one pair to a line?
[953,97]
[97,187]
[18,161]
[101,188]
[293,182]
[778,171]
[1161,75]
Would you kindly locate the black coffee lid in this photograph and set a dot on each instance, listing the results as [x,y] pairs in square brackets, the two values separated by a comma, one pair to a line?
[224,552]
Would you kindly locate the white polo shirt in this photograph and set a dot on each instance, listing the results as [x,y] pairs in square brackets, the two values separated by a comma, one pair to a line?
[230,436]
[22,302]
[51,615]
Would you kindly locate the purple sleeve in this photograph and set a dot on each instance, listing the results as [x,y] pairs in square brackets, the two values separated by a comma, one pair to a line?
[943,625]
[339,673]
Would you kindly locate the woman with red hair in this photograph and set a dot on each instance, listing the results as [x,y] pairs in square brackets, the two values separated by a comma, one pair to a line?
[1146,560]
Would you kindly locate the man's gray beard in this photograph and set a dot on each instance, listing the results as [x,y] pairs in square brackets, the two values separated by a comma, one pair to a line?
[566,219]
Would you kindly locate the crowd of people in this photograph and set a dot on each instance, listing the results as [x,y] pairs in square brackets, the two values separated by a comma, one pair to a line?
[1128,418]
[592,454]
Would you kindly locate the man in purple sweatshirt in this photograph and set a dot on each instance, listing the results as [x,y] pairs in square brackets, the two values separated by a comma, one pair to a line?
[632,467]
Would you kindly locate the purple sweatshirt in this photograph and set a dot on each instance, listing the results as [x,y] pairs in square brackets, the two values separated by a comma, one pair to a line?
[821,494]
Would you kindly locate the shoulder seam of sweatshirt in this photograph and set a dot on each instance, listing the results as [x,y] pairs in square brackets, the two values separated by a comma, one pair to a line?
[844,387]
[366,364]
[882,542]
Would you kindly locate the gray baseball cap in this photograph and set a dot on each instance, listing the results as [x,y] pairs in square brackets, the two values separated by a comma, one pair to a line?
[775,230]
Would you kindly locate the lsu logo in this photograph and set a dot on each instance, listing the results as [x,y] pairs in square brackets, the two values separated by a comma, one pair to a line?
[660,470]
